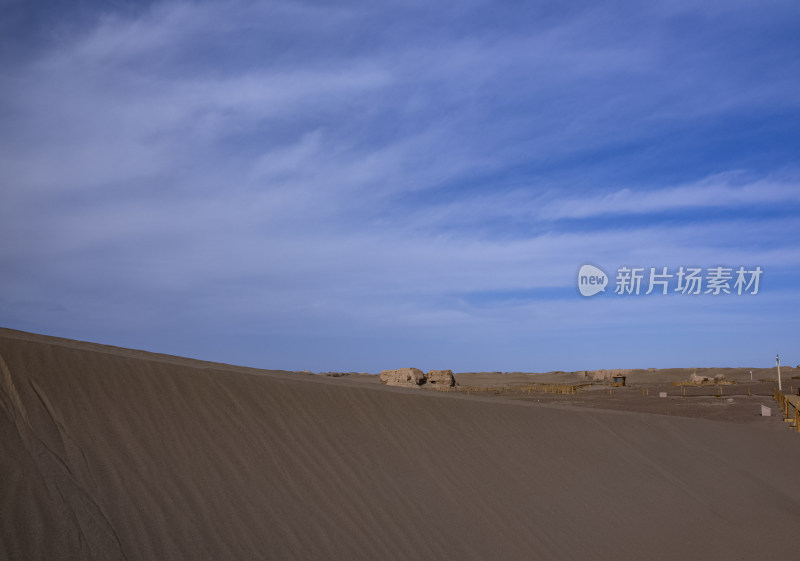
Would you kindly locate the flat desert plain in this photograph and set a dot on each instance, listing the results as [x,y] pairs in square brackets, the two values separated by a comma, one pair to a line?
[110,453]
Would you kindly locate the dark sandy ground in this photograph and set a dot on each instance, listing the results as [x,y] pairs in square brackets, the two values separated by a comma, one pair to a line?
[731,403]
[110,453]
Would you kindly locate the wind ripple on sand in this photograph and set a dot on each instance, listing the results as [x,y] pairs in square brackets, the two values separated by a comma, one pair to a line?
[111,453]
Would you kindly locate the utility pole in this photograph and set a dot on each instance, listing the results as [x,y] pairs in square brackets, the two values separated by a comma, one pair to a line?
[778,362]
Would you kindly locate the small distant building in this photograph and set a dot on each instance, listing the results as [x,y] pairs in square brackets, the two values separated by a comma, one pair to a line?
[619,380]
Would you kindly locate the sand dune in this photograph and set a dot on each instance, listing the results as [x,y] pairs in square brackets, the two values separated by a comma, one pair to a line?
[109,453]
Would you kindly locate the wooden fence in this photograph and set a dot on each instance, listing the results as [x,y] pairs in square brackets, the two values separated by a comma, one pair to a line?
[570,389]
[790,407]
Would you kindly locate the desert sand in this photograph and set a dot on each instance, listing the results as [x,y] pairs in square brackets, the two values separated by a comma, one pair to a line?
[109,453]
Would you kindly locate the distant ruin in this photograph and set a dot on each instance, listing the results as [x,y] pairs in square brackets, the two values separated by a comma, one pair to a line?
[697,379]
[601,375]
[414,377]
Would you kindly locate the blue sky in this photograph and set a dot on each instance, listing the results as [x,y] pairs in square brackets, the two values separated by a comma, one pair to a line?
[359,186]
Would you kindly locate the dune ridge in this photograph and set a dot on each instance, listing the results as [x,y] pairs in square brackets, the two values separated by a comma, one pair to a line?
[117,454]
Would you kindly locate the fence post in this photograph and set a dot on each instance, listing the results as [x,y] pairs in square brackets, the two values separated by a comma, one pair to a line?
[797,416]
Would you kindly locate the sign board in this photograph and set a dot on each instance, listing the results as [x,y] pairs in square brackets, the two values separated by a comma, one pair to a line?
[766,411]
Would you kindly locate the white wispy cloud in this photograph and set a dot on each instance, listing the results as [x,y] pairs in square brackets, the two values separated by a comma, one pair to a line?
[290,164]
[730,190]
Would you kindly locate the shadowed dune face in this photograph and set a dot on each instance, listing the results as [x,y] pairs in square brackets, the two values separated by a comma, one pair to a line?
[114,455]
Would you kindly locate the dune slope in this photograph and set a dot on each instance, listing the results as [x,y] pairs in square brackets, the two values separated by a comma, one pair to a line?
[114,454]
